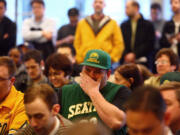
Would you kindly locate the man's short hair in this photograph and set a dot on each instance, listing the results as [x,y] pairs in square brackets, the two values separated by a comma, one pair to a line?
[174,60]
[173,86]
[135,4]
[73,51]
[42,91]
[9,63]
[156,6]
[5,3]
[147,99]
[73,12]
[58,62]
[37,1]
[33,54]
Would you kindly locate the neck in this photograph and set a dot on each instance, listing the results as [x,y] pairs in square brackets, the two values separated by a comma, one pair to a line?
[136,17]
[98,16]
[39,78]
[175,127]
[38,19]
[53,125]
[177,17]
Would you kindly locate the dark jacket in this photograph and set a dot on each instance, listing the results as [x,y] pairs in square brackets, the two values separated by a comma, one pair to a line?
[168,29]
[144,40]
[7,27]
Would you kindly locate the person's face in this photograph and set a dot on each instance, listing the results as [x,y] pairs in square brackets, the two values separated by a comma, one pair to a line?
[155,14]
[5,82]
[163,65]
[38,10]
[130,10]
[173,106]
[98,6]
[119,79]
[56,77]
[96,74]
[15,55]
[73,20]
[33,69]
[2,10]
[175,6]
[144,123]
[41,118]
[66,51]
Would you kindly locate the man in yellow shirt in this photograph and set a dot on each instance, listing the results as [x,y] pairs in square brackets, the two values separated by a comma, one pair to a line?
[98,31]
[12,111]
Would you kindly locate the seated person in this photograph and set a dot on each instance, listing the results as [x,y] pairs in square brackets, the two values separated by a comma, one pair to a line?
[21,74]
[34,66]
[166,61]
[58,69]
[128,75]
[12,111]
[70,53]
[42,108]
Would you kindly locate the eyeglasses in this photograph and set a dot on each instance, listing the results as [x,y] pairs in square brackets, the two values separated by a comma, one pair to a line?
[163,62]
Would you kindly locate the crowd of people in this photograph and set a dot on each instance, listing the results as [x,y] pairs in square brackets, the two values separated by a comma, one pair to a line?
[94,77]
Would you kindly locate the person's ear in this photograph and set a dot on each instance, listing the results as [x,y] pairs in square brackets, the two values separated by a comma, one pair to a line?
[42,64]
[108,73]
[55,109]
[167,118]
[173,68]
[131,80]
[12,80]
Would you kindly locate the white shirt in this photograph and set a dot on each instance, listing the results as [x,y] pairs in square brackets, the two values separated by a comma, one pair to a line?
[45,24]
[54,131]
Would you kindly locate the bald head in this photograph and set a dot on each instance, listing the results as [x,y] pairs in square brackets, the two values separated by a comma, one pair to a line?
[132,8]
[98,6]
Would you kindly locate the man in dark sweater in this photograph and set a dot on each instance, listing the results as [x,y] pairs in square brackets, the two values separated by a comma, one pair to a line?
[95,99]
[7,31]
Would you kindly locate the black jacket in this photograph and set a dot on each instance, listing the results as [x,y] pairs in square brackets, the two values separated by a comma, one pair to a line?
[144,40]
[168,29]
[7,27]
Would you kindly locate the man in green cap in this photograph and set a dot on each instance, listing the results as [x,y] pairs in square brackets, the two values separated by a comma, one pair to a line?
[95,99]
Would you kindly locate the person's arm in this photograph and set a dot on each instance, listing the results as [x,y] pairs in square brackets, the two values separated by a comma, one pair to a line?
[112,116]
[118,44]
[28,34]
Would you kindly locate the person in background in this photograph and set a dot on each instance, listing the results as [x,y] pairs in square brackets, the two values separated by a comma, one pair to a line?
[70,53]
[21,74]
[171,32]
[128,75]
[98,31]
[7,31]
[166,61]
[171,94]
[39,30]
[66,32]
[58,69]
[139,36]
[34,64]
[12,111]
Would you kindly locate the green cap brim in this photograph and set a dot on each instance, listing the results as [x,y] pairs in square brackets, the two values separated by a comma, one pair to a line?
[94,65]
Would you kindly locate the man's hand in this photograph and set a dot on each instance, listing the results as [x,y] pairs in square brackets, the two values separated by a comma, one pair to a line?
[47,35]
[5,36]
[88,84]
[130,58]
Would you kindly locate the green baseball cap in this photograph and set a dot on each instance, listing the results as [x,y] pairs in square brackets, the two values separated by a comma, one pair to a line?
[97,58]
[170,76]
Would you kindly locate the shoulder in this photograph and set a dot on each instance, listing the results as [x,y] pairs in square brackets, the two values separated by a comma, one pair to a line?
[25,131]
[70,87]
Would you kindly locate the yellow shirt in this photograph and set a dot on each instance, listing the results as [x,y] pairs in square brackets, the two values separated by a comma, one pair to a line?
[12,112]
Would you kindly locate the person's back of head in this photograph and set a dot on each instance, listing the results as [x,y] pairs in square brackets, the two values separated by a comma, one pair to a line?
[145,112]
[131,73]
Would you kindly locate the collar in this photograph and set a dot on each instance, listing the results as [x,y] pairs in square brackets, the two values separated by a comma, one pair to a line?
[43,18]
[101,17]
[54,131]
[10,99]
